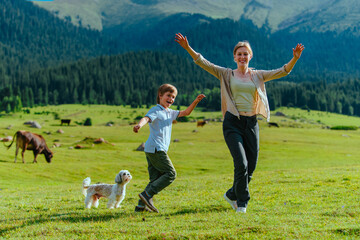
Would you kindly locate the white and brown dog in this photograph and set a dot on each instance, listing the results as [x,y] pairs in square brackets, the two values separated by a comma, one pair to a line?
[114,192]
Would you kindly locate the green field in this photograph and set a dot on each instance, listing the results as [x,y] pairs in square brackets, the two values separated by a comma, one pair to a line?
[306,185]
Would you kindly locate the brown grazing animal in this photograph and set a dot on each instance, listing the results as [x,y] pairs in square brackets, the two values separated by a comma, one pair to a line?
[273,124]
[201,123]
[65,121]
[31,141]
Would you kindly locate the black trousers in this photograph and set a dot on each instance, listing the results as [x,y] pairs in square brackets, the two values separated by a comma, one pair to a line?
[242,138]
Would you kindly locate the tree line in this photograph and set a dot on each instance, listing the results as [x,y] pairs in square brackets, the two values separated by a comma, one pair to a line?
[33,43]
[339,97]
[133,79]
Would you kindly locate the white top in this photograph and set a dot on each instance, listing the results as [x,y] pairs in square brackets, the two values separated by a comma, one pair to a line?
[244,93]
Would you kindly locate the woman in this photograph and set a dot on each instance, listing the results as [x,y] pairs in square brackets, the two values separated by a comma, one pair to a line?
[243,96]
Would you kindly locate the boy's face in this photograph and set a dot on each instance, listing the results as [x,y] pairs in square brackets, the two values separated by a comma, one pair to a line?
[167,99]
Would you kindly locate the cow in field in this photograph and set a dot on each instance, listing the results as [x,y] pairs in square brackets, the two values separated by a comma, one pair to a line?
[273,124]
[65,121]
[31,141]
[201,123]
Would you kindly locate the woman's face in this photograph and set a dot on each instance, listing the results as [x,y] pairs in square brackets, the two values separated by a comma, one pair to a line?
[242,56]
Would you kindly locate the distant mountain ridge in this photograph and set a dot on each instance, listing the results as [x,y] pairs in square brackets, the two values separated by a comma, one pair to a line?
[313,15]
[31,37]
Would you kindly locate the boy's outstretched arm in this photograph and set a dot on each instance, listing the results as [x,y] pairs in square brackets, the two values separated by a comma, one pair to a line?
[192,106]
[141,123]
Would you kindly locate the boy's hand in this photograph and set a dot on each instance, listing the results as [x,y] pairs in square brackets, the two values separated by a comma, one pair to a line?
[136,128]
[188,111]
[200,97]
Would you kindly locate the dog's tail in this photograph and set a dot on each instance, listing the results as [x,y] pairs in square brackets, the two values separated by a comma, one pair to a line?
[85,185]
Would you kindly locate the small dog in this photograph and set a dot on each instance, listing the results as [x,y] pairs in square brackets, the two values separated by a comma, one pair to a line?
[114,192]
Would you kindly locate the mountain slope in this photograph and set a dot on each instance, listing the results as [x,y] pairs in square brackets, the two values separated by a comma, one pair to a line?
[335,15]
[317,15]
[31,38]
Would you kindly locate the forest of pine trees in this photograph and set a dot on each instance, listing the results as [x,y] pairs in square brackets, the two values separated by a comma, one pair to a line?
[44,60]
[133,78]
[32,38]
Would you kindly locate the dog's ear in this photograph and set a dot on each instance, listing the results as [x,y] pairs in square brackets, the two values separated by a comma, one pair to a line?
[118,178]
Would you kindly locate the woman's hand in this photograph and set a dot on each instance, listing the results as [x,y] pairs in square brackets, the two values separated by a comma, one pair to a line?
[179,38]
[298,50]
[182,41]
[297,53]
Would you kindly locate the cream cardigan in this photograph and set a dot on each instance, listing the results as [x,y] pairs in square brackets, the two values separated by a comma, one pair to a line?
[259,77]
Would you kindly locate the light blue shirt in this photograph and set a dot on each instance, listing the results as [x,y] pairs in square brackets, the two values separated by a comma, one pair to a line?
[160,128]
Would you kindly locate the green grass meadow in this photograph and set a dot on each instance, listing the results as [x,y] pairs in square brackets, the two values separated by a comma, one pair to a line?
[306,185]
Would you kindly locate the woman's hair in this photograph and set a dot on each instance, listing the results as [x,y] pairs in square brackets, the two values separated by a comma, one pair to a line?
[243,44]
[165,88]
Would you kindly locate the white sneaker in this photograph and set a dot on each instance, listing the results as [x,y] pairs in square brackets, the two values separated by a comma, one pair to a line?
[241,209]
[232,203]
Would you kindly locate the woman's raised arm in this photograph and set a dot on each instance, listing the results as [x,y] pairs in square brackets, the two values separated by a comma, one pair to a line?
[179,38]
[211,68]
[297,54]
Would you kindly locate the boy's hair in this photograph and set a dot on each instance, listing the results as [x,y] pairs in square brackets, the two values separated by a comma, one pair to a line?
[165,88]
[243,44]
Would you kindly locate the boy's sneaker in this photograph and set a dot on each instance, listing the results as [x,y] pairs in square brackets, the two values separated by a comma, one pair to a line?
[232,203]
[148,201]
[142,209]
[241,210]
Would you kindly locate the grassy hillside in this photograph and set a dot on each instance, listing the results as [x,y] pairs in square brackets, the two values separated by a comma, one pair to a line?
[315,117]
[305,185]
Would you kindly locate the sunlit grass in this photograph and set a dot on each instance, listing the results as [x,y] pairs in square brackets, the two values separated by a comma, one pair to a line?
[305,187]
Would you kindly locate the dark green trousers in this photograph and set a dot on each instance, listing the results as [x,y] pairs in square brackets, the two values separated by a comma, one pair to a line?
[161,172]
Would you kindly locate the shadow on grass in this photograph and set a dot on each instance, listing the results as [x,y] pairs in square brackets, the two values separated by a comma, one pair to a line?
[66,126]
[205,209]
[66,217]
[350,232]
[19,161]
[87,216]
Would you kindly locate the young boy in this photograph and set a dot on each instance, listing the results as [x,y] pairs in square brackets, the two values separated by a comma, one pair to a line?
[161,170]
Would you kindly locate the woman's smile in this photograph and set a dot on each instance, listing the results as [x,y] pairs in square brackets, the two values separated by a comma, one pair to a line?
[242,56]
